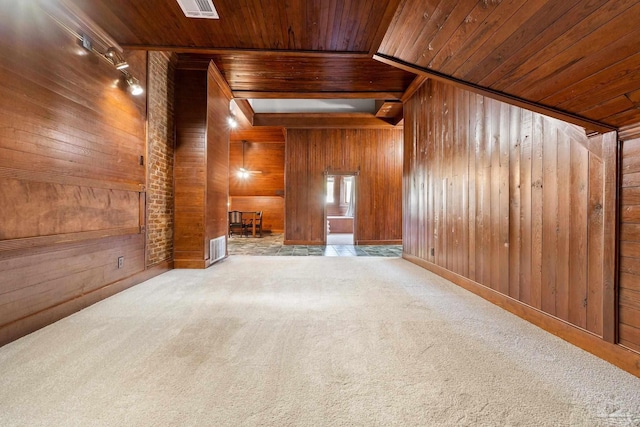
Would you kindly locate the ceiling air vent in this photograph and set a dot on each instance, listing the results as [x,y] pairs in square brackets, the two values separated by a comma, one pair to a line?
[199,9]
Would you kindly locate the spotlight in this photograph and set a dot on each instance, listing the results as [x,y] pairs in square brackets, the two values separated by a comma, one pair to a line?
[134,86]
[233,123]
[116,58]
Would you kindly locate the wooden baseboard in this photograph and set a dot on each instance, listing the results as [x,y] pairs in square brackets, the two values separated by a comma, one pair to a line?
[191,263]
[379,242]
[21,327]
[615,354]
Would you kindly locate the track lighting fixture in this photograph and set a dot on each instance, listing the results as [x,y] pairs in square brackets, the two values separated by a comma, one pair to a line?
[134,85]
[116,58]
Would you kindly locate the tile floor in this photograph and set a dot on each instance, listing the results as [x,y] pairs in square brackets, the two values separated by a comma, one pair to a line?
[271,244]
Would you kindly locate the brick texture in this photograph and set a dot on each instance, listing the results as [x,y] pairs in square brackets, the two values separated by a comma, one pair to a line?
[160,193]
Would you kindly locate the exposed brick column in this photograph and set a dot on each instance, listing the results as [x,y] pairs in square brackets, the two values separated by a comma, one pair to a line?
[160,149]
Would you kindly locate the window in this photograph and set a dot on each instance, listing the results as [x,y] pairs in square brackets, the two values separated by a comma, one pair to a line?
[330,182]
[348,181]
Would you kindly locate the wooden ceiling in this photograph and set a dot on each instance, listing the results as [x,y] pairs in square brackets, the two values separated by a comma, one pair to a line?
[292,25]
[576,56]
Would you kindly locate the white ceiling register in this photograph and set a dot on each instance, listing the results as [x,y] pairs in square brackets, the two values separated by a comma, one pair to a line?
[199,9]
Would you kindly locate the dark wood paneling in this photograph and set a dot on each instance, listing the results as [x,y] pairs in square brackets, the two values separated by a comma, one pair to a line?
[71,184]
[259,73]
[576,56]
[217,160]
[201,165]
[265,158]
[331,25]
[376,154]
[190,165]
[272,208]
[534,209]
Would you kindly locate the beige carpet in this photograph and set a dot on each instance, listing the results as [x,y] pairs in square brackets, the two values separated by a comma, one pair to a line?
[289,341]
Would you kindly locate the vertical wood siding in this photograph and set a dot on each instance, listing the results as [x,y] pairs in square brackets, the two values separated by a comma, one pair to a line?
[201,167]
[629,303]
[507,198]
[375,154]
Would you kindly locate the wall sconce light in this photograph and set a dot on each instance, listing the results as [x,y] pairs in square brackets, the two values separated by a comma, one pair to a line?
[116,58]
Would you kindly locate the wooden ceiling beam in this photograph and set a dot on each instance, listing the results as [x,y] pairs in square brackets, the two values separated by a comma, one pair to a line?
[321,121]
[255,52]
[500,96]
[245,94]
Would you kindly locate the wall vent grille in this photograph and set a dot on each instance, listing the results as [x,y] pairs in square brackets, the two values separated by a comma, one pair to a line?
[217,248]
[199,9]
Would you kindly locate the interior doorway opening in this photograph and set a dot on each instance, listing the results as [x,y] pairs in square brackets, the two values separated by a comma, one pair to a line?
[340,208]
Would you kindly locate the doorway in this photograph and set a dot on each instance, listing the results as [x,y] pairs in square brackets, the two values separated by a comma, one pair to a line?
[340,208]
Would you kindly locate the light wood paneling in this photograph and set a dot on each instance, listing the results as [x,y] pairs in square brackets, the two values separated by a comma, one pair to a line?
[510,199]
[375,154]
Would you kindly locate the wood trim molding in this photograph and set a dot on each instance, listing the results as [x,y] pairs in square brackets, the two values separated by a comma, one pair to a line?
[303,242]
[629,132]
[321,121]
[57,239]
[52,178]
[246,109]
[611,241]
[26,325]
[235,51]
[500,96]
[617,355]
[219,79]
[247,94]
[416,84]
[191,263]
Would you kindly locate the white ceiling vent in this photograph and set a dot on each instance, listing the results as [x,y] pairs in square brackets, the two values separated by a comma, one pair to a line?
[199,9]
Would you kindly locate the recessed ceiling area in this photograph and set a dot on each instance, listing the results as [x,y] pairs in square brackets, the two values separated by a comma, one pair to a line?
[313,105]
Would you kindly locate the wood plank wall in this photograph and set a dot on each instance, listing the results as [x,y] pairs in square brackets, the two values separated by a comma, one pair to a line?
[513,201]
[72,189]
[190,166]
[201,168]
[629,304]
[375,153]
[263,191]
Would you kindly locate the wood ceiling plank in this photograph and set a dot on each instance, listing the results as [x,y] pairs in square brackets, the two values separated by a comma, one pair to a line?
[510,99]
[504,12]
[453,20]
[622,77]
[471,25]
[378,36]
[568,55]
[503,32]
[245,24]
[433,20]
[521,50]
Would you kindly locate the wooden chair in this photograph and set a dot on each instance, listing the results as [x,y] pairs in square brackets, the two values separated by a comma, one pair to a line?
[236,223]
[258,223]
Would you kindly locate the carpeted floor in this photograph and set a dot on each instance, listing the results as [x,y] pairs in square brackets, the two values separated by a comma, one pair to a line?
[305,341]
